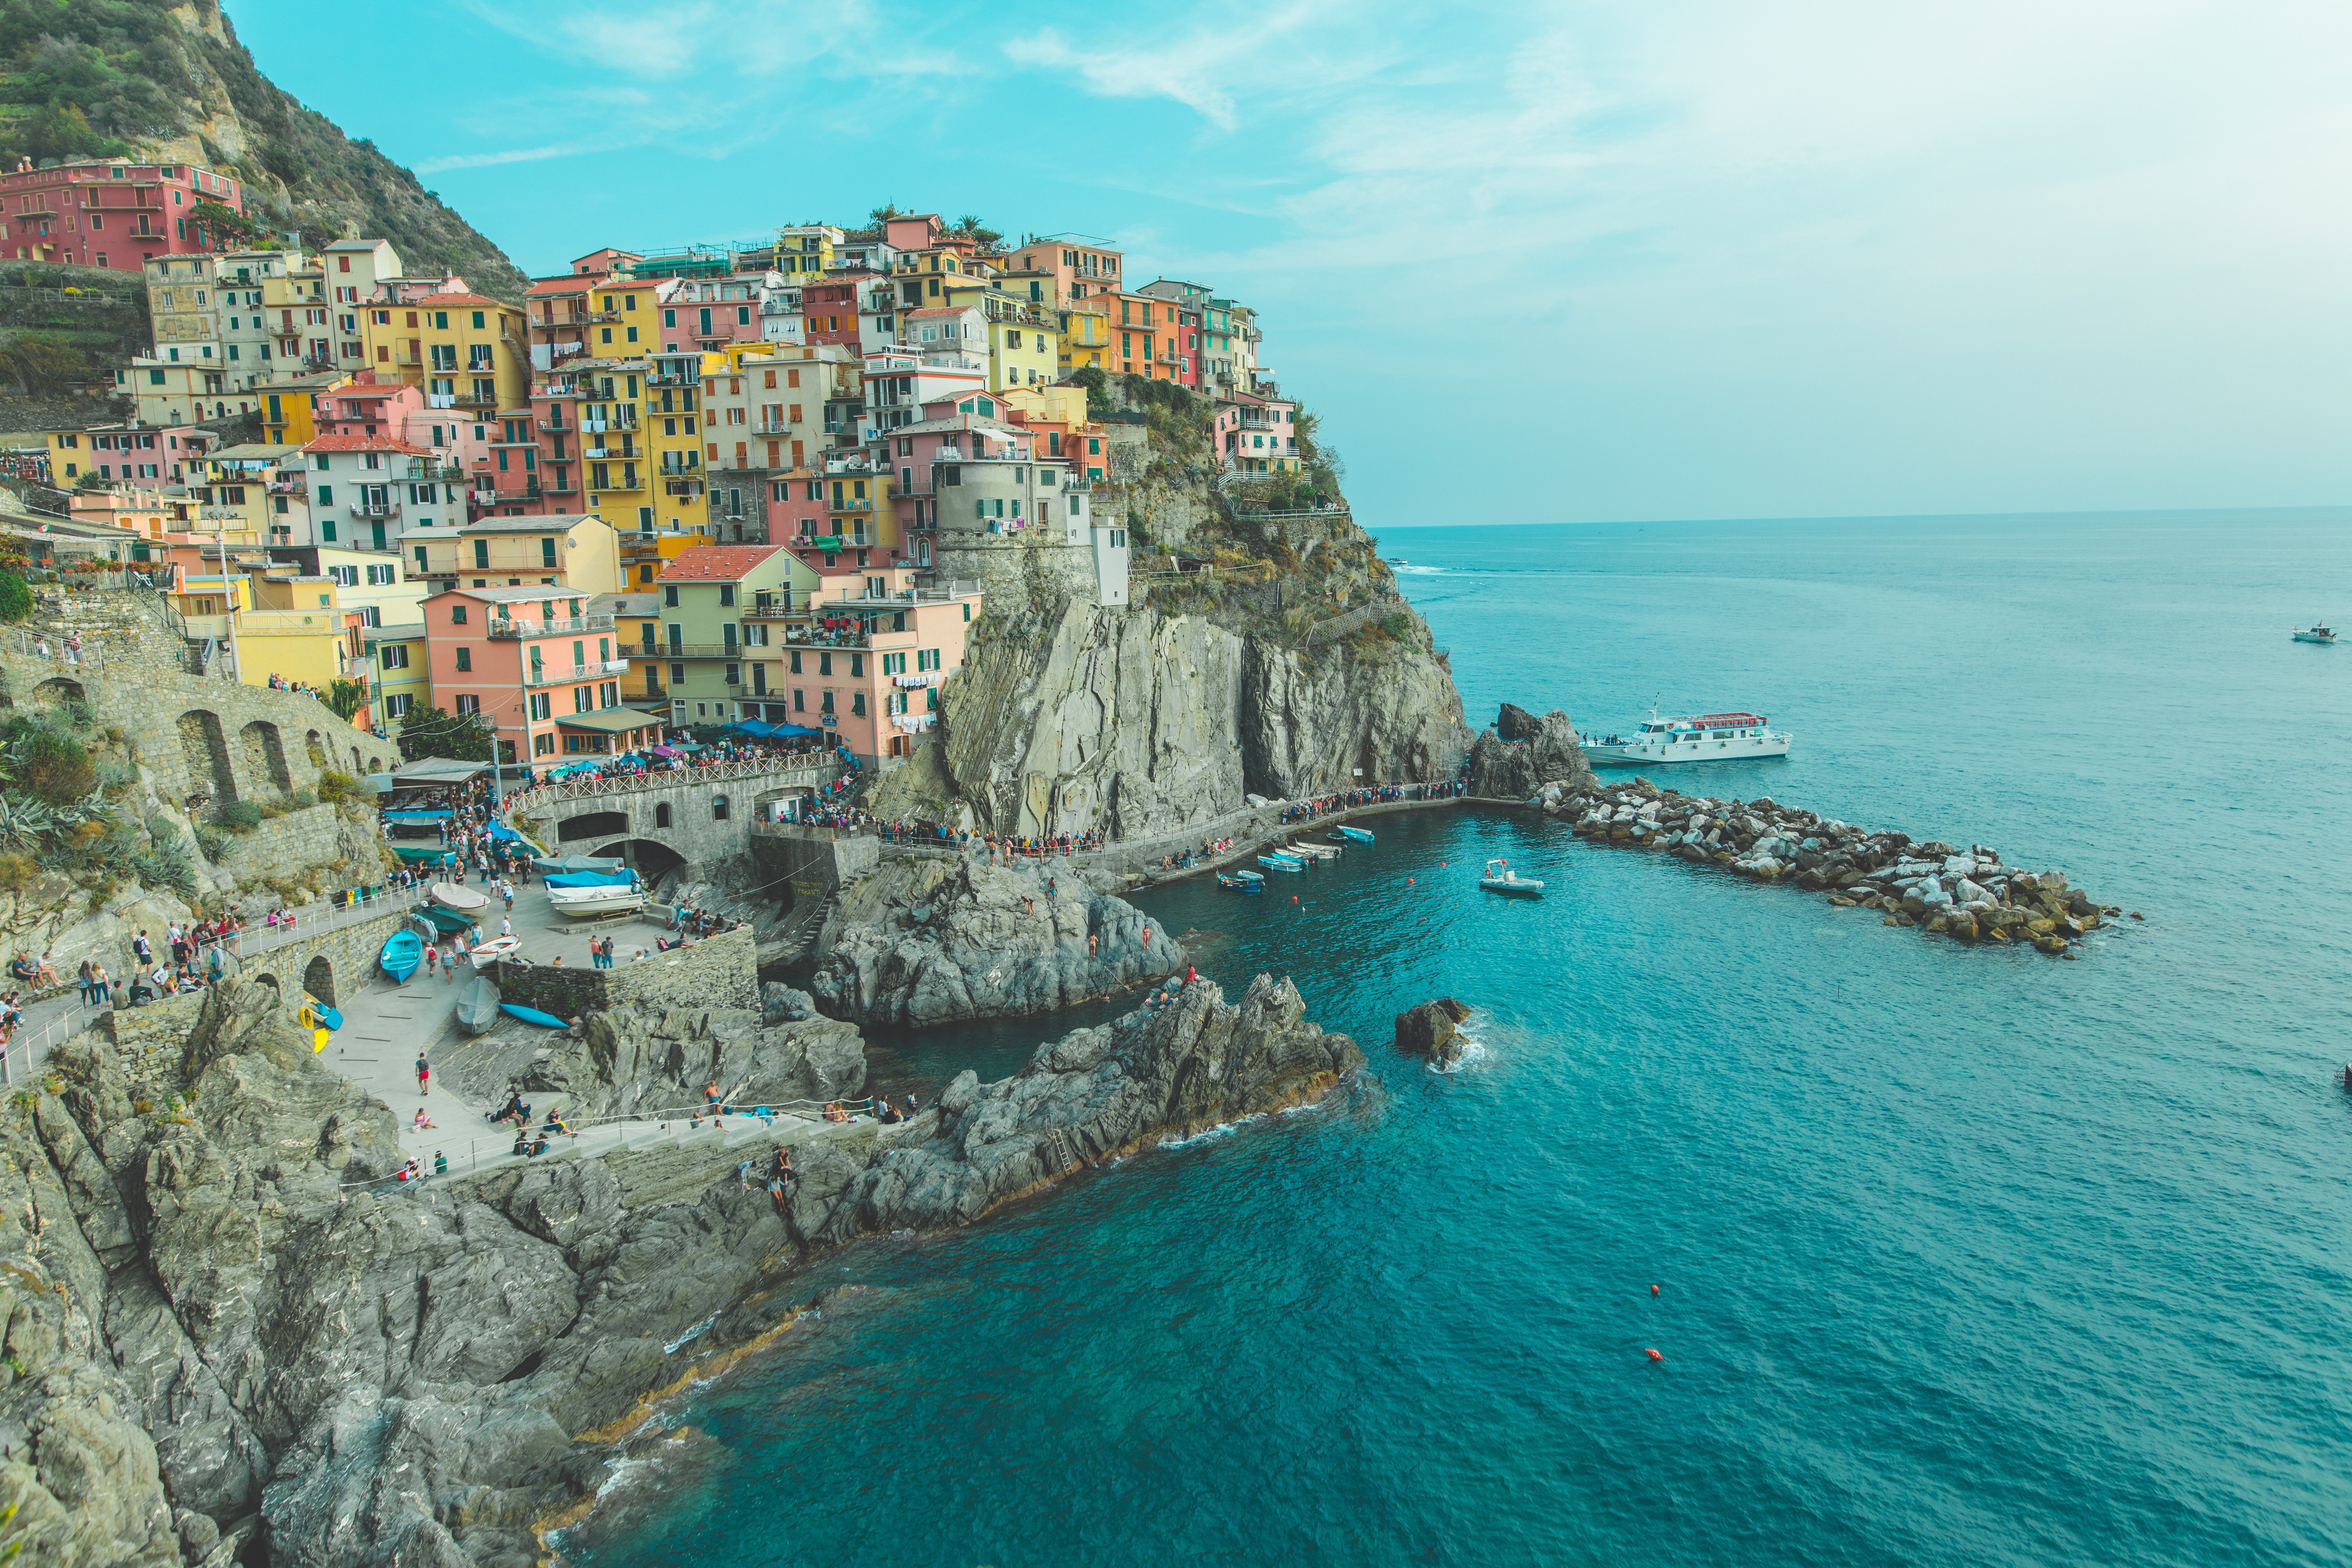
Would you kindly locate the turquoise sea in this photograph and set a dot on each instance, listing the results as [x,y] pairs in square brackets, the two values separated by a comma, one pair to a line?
[1962,1256]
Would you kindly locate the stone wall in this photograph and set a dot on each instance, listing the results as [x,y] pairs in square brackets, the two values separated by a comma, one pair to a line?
[331,962]
[292,846]
[722,972]
[200,736]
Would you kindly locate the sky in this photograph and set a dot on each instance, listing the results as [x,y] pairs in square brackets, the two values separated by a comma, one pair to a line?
[1541,262]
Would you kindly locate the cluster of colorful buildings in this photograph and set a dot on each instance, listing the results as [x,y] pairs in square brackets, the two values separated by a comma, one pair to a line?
[769,481]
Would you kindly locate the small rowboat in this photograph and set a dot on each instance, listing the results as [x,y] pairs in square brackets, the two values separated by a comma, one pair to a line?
[2315,633]
[490,951]
[1356,835]
[1282,862]
[532,1015]
[1309,851]
[402,954]
[1241,881]
[452,896]
[1501,879]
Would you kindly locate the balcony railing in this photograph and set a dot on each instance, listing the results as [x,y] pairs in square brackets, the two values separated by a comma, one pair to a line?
[505,631]
[814,637]
[371,509]
[713,650]
[566,674]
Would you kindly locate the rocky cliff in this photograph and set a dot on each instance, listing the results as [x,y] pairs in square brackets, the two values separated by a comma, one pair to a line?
[218,1345]
[1523,754]
[1264,651]
[934,941]
[115,78]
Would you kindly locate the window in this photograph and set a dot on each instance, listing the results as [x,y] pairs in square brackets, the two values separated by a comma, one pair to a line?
[397,705]
[825,699]
[546,546]
[467,703]
[800,698]
[394,656]
[456,615]
[670,595]
[482,554]
[542,745]
[661,816]
[857,704]
[464,659]
[541,708]
[726,593]
[717,808]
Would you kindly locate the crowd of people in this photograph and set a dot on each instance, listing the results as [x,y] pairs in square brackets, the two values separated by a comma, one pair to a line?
[1347,800]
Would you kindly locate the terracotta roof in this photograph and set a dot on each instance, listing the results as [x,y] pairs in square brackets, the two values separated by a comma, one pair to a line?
[461,299]
[579,283]
[362,444]
[942,311]
[715,563]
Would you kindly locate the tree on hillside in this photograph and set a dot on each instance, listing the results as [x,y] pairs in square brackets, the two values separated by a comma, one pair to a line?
[16,598]
[43,362]
[430,731]
[344,698]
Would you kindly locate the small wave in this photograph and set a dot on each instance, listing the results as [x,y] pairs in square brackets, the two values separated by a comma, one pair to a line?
[1419,571]
[1221,1129]
[1473,1049]
[690,1335]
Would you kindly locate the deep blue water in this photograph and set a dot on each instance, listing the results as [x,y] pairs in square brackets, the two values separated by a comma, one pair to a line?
[1965,1256]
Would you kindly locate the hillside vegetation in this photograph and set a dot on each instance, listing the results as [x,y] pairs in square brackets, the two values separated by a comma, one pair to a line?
[124,78]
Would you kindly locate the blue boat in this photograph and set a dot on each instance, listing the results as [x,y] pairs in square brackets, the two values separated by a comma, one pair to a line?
[532,1015]
[1357,833]
[1241,881]
[402,954]
[1282,863]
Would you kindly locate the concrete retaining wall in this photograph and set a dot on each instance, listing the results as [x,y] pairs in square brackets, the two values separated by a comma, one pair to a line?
[722,972]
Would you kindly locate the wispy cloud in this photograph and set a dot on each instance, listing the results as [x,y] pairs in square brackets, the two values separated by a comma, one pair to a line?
[492,160]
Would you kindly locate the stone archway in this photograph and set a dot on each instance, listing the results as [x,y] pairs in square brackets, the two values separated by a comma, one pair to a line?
[318,980]
[204,753]
[317,748]
[51,695]
[265,757]
[375,764]
[591,825]
[652,860]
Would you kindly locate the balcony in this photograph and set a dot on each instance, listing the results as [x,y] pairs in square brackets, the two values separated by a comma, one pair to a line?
[474,400]
[771,613]
[771,429]
[371,509]
[681,485]
[812,637]
[501,630]
[567,674]
[555,427]
[713,650]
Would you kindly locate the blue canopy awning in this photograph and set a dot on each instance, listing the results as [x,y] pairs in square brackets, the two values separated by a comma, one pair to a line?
[417,816]
[794,732]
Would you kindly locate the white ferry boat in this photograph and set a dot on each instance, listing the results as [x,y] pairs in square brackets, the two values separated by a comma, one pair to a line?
[1708,738]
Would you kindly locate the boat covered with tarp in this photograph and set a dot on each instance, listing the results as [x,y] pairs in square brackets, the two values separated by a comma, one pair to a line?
[565,865]
[456,896]
[583,893]
[478,1005]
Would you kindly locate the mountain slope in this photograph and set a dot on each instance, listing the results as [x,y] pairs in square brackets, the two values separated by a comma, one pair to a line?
[110,77]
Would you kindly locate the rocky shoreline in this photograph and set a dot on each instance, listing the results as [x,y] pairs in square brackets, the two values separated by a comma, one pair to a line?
[222,1338]
[1969,895]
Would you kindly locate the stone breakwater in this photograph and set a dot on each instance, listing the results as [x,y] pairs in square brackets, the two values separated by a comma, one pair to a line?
[1968,895]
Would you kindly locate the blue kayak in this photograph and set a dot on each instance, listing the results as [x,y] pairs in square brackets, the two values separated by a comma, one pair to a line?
[533,1016]
[1357,833]
[402,954]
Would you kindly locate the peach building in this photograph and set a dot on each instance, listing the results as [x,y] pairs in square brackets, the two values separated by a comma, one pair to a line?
[535,664]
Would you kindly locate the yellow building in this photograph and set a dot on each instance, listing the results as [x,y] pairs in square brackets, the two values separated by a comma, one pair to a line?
[1086,336]
[208,604]
[402,680]
[624,316]
[314,647]
[376,583]
[1024,339]
[616,463]
[674,438]
[296,314]
[636,631]
[578,552]
[643,555]
[290,408]
[467,351]
[805,247]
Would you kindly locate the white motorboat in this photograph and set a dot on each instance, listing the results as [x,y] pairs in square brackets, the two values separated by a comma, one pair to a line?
[581,903]
[1707,738]
[1501,879]
[2314,633]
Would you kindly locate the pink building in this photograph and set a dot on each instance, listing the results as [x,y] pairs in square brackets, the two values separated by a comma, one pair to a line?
[952,429]
[366,406]
[538,669]
[868,667]
[99,211]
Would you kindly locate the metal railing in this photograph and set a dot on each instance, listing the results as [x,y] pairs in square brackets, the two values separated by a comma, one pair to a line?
[501,630]
[796,770]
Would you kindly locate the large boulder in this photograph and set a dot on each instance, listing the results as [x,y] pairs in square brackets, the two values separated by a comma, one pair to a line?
[933,941]
[1522,754]
[1429,1030]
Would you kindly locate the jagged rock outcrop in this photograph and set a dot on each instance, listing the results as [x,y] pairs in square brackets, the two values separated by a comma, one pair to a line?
[1153,1074]
[210,1338]
[1429,1030]
[1522,754]
[936,940]
[641,1058]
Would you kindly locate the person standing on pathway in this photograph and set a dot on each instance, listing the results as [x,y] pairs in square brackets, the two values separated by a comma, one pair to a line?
[423,1076]
[432,961]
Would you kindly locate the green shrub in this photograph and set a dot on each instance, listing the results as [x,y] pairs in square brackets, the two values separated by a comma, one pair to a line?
[238,815]
[54,767]
[304,797]
[214,841]
[16,598]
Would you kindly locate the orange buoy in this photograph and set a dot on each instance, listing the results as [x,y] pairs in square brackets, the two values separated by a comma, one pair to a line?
[1654,1289]
[1653,1355]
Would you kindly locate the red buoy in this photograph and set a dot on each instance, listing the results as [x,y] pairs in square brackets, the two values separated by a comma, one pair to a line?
[1654,1289]
[1653,1355]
